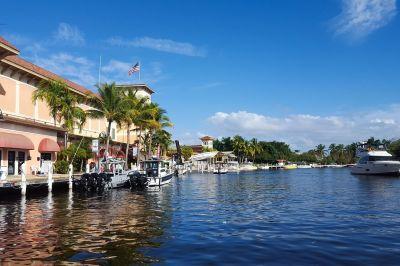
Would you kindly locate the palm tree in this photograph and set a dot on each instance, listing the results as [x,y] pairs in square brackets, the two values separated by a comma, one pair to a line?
[320,150]
[143,122]
[49,91]
[108,104]
[255,148]
[239,146]
[133,110]
[158,121]
[70,113]
[162,139]
[62,102]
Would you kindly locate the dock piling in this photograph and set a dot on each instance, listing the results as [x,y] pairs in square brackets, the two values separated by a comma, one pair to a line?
[23,180]
[50,177]
[70,170]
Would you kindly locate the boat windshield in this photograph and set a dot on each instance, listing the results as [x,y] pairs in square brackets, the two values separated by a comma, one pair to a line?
[382,158]
[151,165]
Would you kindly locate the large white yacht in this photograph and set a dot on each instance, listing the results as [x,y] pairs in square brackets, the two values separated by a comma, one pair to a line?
[376,162]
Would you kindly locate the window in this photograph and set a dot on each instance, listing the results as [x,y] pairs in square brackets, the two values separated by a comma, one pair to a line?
[45,156]
[382,158]
[363,160]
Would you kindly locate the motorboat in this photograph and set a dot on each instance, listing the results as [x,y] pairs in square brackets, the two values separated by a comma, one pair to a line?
[154,173]
[220,169]
[376,162]
[232,166]
[247,167]
[290,166]
[304,166]
[264,167]
[111,175]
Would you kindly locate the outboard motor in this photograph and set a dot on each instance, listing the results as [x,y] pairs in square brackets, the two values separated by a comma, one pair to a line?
[138,181]
[105,180]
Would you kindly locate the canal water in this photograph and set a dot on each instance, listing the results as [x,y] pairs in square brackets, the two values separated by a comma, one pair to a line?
[297,217]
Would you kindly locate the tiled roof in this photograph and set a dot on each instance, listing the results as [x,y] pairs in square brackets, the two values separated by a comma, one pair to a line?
[3,41]
[43,72]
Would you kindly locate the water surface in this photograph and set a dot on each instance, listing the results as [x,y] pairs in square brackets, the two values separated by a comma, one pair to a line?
[300,217]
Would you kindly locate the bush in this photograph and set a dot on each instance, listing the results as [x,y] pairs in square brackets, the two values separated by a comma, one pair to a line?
[61,167]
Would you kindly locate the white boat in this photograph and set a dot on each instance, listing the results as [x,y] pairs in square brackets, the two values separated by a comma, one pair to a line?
[111,175]
[157,172]
[247,167]
[264,167]
[304,166]
[232,166]
[220,169]
[376,163]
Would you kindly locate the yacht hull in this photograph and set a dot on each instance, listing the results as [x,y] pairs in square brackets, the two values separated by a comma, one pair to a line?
[392,169]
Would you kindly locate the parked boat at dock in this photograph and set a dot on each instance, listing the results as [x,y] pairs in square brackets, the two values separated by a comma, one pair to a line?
[290,166]
[247,167]
[111,175]
[304,166]
[155,173]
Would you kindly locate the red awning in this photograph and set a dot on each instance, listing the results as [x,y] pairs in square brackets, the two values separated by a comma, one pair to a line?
[48,145]
[15,141]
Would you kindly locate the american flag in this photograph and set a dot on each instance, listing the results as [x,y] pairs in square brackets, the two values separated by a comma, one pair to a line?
[134,69]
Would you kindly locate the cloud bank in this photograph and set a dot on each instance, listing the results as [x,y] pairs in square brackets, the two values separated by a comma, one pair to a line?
[360,18]
[305,131]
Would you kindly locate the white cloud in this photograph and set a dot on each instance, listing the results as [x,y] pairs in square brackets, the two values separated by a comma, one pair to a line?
[70,34]
[75,68]
[163,45]
[359,18]
[304,131]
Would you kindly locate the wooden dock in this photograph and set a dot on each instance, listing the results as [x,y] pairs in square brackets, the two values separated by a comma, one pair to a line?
[14,184]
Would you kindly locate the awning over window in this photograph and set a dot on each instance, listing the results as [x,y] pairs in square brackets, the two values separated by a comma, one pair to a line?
[15,141]
[48,145]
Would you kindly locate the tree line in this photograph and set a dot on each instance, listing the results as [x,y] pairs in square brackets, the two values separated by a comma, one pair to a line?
[270,151]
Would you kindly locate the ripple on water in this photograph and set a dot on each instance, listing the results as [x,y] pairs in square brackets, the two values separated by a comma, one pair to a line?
[308,216]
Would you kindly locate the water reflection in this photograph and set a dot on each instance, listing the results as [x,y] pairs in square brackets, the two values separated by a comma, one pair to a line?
[81,228]
[315,216]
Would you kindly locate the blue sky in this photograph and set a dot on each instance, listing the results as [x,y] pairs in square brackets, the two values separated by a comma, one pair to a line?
[303,72]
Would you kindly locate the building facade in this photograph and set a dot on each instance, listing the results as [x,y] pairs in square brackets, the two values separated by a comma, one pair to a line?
[28,133]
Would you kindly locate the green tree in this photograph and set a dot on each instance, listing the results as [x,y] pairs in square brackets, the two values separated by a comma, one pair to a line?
[320,151]
[163,140]
[239,147]
[159,120]
[49,91]
[187,152]
[108,104]
[62,102]
[254,148]
[133,111]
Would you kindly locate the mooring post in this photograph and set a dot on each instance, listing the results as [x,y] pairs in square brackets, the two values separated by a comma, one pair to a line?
[50,177]
[70,169]
[23,180]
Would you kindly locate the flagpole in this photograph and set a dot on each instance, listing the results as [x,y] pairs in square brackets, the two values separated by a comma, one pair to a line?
[140,69]
[100,70]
